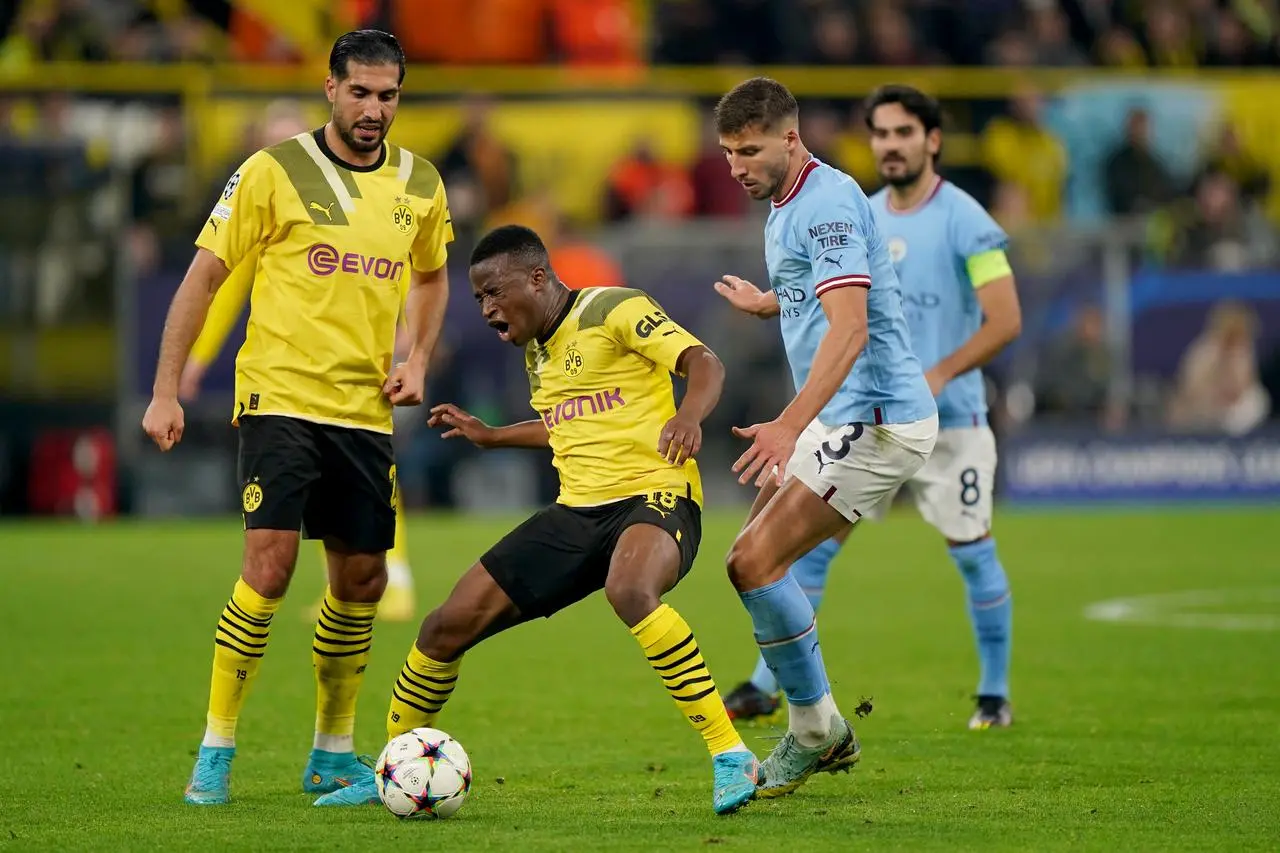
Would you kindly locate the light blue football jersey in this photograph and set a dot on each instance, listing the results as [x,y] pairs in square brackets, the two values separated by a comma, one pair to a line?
[822,236]
[930,246]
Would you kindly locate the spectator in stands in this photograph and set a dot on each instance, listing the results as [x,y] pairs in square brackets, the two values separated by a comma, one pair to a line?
[1136,181]
[479,170]
[58,31]
[1011,48]
[685,33]
[1234,45]
[1051,38]
[1166,34]
[834,37]
[891,41]
[1229,156]
[1074,373]
[1018,148]
[642,185]
[1218,389]
[1118,48]
[160,189]
[1215,231]
[715,192]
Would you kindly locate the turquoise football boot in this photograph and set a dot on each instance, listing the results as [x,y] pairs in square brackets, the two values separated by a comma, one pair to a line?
[210,783]
[333,771]
[735,781]
[362,793]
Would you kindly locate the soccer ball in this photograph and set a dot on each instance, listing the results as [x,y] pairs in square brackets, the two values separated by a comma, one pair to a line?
[423,774]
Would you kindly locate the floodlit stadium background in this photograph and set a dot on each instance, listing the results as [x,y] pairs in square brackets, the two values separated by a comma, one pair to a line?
[589,121]
[1128,147]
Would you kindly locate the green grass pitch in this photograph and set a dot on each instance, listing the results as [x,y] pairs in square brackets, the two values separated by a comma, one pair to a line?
[1128,737]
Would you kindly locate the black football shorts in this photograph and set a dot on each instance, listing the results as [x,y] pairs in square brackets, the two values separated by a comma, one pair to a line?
[561,554]
[327,481]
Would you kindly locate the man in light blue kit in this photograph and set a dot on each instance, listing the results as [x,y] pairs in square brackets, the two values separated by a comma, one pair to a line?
[863,420]
[950,260]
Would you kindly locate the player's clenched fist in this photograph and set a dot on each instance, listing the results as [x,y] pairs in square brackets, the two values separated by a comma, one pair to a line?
[164,422]
[461,424]
[680,439]
[406,384]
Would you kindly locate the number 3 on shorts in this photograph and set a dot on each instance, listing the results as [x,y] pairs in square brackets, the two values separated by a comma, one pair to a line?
[969,491]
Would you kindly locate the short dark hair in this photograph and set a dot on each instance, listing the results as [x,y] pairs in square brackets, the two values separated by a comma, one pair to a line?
[367,47]
[759,102]
[517,241]
[911,99]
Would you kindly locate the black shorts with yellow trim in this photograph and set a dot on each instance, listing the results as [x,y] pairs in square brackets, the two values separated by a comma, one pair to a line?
[561,554]
[330,482]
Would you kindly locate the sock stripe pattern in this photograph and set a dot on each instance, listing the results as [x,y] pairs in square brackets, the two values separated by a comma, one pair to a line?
[340,653]
[673,653]
[340,636]
[242,633]
[694,678]
[420,692]
[240,641]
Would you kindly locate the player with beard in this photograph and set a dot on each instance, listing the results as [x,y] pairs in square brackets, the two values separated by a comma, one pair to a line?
[962,309]
[862,421]
[343,233]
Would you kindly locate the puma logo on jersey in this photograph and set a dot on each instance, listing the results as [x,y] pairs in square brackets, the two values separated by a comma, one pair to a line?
[838,261]
[327,210]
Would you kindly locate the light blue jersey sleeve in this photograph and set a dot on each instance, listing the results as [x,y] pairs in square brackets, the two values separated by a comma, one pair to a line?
[974,234]
[834,238]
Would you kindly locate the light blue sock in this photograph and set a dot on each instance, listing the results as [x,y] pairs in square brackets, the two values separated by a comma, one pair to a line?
[811,573]
[990,610]
[788,639]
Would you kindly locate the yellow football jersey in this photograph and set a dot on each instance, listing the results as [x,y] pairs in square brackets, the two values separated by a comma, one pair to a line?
[601,382]
[331,246]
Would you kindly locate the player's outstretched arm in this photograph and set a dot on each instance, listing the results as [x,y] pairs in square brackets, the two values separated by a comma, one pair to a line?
[462,424]
[746,297]
[1001,325]
[681,437]
[163,420]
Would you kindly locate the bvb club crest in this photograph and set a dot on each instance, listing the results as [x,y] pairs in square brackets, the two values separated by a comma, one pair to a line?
[573,362]
[402,216]
[251,497]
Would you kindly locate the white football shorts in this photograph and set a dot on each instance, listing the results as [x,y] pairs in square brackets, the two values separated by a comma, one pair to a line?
[952,490]
[854,467]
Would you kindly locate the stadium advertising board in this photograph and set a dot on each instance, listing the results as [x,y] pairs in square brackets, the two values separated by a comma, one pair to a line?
[1064,466]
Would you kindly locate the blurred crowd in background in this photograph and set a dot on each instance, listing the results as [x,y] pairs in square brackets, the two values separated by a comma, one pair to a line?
[895,33]
[1160,178]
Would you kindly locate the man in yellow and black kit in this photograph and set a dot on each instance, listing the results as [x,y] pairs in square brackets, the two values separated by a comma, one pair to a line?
[342,232]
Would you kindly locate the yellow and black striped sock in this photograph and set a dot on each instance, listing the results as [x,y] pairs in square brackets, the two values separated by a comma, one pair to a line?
[673,652]
[340,653]
[421,690]
[239,644]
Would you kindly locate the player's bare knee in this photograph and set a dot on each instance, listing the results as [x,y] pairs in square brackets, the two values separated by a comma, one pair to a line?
[269,557]
[631,600]
[357,577]
[747,567]
[444,635]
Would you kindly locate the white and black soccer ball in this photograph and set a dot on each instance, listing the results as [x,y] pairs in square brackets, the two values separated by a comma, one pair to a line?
[423,773]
